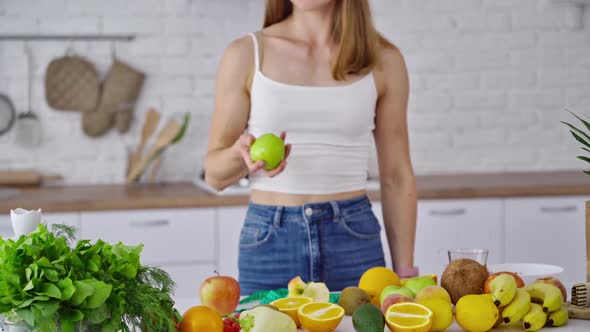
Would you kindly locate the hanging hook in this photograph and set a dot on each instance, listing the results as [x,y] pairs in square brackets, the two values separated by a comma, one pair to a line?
[113,49]
[70,47]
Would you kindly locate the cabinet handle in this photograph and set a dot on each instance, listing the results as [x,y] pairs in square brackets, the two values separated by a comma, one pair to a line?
[450,212]
[558,209]
[150,223]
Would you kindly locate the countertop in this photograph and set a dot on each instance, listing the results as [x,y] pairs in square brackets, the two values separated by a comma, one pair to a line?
[187,194]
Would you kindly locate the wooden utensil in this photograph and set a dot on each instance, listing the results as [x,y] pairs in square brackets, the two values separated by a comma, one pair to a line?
[165,137]
[25,178]
[152,118]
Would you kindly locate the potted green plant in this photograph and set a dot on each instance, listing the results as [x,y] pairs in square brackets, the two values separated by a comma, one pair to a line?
[47,284]
[583,137]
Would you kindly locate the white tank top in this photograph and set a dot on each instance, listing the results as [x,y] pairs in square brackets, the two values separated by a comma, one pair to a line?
[329,127]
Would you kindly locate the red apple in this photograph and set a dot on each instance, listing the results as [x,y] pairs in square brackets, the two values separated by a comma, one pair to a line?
[555,282]
[519,281]
[393,299]
[221,293]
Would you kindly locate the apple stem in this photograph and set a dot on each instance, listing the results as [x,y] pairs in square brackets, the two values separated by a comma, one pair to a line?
[215,271]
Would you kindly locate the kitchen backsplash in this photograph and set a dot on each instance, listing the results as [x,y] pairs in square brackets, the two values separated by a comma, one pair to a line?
[490,79]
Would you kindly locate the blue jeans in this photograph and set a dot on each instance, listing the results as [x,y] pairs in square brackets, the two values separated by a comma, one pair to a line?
[333,242]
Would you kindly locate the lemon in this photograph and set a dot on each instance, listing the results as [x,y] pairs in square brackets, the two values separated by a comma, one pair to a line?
[375,279]
[408,317]
[320,316]
[290,305]
[442,312]
[476,313]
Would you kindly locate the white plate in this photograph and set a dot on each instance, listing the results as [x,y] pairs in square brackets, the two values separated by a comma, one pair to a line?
[529,272]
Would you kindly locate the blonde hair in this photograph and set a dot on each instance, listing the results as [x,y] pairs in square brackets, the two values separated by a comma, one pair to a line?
[353,30]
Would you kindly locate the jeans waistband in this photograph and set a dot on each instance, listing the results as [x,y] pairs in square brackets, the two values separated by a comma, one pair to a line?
[311,211]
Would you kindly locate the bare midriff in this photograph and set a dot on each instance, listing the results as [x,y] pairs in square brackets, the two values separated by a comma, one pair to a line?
[286,199]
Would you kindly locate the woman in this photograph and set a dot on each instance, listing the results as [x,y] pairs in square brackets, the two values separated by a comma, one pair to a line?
[319,73]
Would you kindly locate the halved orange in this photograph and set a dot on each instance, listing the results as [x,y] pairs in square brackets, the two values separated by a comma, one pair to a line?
[290,305]
[408,316]
[320,316]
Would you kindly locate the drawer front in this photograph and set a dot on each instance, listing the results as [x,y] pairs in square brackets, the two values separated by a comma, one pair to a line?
[457,224]
[548,230]
[5,227]
[230,221]
[169,236]
[188,279]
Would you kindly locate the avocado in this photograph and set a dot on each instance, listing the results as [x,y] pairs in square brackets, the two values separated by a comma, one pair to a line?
[368,318]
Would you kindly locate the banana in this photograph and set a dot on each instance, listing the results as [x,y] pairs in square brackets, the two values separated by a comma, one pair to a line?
[558,318]
[518,307]
[503,289]
[549,295]
[535,318]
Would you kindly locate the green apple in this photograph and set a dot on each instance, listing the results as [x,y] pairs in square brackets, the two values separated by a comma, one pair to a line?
[270,148]
[417,283]
[393,289]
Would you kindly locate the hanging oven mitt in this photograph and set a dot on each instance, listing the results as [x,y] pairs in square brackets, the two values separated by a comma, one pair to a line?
[120,91]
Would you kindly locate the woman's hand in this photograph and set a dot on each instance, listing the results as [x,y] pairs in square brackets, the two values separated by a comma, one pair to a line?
[242,146]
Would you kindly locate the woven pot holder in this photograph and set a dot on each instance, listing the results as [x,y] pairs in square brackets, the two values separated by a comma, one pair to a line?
[72,84]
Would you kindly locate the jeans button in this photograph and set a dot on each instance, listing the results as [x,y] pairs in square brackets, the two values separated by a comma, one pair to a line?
[308,212]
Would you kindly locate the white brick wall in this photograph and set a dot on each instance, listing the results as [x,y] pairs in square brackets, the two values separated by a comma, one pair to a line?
[490,78]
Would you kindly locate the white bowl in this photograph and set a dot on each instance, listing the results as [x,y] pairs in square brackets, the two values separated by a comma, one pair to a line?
[529,272]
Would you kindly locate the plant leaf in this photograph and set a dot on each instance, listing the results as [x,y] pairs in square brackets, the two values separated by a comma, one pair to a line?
[83,290]
[580,139]
[102,291]
[582,120]
[98,315]
[51,275]
[574,128]
[27,315]
[67,288]
[586,159]
[50,290]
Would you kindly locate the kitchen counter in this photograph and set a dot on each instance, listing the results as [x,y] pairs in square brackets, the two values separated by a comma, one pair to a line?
[180,195]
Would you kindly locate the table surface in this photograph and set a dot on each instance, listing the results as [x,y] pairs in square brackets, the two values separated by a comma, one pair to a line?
[346,325]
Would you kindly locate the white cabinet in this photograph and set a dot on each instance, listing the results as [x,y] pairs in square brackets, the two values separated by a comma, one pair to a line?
[5,227]
[445,224]
[48,218]
[230,221]
[188,279]
[548,230]
[168,236]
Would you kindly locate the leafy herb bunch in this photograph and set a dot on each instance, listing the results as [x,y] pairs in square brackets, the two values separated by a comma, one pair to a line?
[45,283]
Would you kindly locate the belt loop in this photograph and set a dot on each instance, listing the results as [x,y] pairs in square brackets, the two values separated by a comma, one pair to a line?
[277,216]
[335,210]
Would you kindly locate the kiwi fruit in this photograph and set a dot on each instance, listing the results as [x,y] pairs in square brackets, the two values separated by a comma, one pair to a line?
[351,298]
[463,277]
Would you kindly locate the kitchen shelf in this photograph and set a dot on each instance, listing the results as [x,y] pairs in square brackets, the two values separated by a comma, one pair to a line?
[47,37]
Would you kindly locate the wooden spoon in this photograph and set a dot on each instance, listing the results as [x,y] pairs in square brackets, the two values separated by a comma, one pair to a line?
[152,118]
[165,137]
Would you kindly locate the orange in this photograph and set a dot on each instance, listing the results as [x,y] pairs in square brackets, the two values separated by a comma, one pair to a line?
[409,317]
[290,305]
[201,319]
[375,279]
[320,316]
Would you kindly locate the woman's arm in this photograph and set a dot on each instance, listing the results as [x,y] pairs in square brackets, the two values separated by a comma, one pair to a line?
[227,158]
[398,186]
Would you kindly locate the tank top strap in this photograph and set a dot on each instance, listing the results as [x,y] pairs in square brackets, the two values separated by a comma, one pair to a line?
[256,51]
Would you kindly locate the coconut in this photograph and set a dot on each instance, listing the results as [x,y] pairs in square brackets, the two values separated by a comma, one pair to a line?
[463,277]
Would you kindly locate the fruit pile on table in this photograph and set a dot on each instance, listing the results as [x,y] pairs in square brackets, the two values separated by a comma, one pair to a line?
[468,294]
